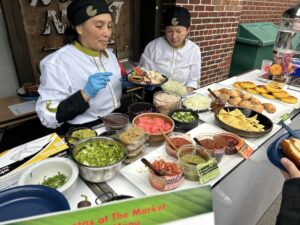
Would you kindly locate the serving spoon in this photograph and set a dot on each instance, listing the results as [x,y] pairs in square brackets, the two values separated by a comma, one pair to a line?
[290,131]
[158,172]
[197,141]
[213,94]
[168,140]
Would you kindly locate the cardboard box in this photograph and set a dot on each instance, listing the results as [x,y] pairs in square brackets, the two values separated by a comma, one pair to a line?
[15,160]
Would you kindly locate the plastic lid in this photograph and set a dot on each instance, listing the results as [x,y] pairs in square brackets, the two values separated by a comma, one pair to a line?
[260,34]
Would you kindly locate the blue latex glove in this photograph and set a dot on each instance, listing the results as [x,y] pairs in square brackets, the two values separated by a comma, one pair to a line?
[96,82]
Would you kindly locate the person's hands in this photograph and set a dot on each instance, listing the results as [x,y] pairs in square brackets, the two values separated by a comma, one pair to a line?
[292,170]
[190,90]
[96,82]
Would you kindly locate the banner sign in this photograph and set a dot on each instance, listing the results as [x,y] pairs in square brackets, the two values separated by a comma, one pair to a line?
[155,209]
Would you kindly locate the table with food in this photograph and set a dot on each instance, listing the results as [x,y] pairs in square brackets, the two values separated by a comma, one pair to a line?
[233,127]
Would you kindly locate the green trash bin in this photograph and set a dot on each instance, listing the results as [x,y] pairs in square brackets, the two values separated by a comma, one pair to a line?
[254,43]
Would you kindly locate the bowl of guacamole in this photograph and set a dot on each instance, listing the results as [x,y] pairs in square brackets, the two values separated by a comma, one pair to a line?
[78,134]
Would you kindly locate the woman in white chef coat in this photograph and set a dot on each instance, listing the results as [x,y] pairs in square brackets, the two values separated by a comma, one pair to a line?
[174,55]
[81,81]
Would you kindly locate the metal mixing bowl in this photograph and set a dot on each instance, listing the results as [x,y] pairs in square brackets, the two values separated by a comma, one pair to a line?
[97,174]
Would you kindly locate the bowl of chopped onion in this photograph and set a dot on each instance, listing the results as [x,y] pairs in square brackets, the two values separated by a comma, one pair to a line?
[197,102]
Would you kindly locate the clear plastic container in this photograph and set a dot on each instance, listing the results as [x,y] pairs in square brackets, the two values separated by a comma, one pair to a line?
[213,145]
[134,155]
[227,142]
[189,156]
[177,139]
[167,182]
[165,102]
[115,121]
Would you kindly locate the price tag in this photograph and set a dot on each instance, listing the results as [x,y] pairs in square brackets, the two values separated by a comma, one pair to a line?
[208,171]
[246,151]
[285,117]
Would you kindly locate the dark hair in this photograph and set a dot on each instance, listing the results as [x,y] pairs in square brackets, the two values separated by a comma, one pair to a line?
[71,35]
[177,16]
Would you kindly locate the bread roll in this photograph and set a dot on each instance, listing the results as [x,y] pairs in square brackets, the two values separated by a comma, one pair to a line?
[269,107]
[224,97]
[234,101]
[257,108]
[234,93]
[224,90]
[255,101]
[245,104]
[291,149]
[247,96]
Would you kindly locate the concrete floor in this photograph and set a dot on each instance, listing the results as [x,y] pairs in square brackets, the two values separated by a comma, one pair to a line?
[269,218]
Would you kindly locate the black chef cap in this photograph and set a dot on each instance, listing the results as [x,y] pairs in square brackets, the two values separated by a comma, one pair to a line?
[177,16]
[81,10]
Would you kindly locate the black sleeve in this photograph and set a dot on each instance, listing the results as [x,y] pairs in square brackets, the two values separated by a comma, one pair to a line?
[289,213]
[71,107]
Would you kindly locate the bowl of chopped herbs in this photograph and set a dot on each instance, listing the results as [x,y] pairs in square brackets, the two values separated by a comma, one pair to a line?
[99,158]
[58,172]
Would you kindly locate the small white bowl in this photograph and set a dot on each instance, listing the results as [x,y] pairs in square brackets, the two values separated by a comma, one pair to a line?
[46,168]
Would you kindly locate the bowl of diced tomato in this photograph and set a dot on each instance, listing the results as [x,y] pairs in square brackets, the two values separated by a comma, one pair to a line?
[154,124]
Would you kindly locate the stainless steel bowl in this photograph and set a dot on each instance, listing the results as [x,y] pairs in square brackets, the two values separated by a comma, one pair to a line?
[97,174]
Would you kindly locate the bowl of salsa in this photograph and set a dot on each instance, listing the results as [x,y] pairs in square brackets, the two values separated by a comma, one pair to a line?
[178,140]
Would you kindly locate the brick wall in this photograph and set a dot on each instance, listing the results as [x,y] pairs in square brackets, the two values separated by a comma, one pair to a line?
[214,27]
[264,10]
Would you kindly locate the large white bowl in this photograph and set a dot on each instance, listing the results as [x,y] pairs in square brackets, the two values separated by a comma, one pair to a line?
[36,173]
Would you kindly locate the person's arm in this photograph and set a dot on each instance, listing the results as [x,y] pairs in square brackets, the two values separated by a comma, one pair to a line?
[290,205]
[56,103]
[146,60]
[54,88]
[195,70]
[77,103]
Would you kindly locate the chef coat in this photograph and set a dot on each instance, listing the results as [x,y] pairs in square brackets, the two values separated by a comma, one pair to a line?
[66,72]
[181,64]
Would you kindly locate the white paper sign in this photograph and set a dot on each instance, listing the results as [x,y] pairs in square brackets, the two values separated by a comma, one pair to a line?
[22,108]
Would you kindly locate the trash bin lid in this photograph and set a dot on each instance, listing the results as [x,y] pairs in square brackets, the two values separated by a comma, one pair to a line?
[260,34]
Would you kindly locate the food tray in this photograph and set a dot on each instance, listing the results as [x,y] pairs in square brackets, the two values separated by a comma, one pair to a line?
[229,82]
[146,84]
[281,108]
[199,110]
[137,173]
